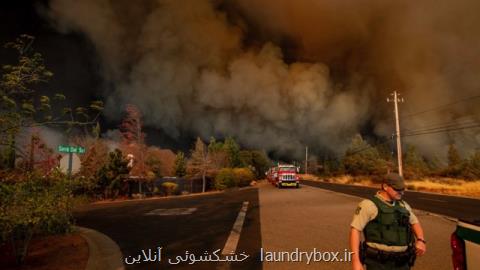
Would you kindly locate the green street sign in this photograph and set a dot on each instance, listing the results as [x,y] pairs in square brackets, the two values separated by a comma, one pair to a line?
[71,149]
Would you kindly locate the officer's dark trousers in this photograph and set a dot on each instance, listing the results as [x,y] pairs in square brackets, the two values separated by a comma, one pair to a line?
[390,265]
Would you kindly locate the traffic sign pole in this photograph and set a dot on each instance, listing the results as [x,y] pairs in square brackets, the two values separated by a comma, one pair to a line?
[70,161]
[70,150]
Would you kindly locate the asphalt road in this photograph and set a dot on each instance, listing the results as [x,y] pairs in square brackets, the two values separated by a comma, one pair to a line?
[312,219]
[205,229]
[456,207]
[307,219]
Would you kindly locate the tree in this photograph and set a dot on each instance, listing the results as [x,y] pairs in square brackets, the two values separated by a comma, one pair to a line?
[133,140]
[454,161]
[41,157]
[199,164]
[471,169]
[362,158]
[217,155]
[475,162]
[36,205]
[453,156]
[332,165]
[34,154]
[180,165]
[233,152]
[214,146]
[131,126]
[111,175]
[246,158]
[233,177]
[415,165]
[95,156]
[256,160]
[94,159]
[153,161]
[33,201]
[21,106]
[167,158]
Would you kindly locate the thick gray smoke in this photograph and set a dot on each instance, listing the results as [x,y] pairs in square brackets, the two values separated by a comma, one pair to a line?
[218,68]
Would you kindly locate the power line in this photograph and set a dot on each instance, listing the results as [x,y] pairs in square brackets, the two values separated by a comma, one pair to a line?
[367,148]
[446,125]
[442,106]
[454,122]
[387,141]
[429,129]
[416,133]
[442,131]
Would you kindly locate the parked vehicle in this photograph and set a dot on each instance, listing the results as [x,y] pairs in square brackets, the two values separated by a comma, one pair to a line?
[272,175]
[284,175]
[465,243]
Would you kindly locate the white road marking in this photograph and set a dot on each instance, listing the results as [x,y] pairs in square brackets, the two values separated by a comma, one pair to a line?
[171,212]
[232,241]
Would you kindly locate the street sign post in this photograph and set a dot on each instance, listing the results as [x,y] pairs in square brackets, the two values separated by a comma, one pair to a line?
[70,166]
[70,149]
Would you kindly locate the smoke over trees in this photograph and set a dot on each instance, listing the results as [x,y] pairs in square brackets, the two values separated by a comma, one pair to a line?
[282,74]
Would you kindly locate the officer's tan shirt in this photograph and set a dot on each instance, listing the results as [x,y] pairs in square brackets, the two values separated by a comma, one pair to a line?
[367,211]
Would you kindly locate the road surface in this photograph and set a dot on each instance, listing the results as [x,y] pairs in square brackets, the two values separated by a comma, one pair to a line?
[452,206]
[302,221]
[309,218]
[171,223]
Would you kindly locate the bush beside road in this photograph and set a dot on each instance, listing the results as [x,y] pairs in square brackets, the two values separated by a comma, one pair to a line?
[60,252]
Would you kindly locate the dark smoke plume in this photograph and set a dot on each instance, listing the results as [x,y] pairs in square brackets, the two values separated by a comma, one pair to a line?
[283,74]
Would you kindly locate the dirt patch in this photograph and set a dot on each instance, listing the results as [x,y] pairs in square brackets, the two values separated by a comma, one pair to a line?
[60,252]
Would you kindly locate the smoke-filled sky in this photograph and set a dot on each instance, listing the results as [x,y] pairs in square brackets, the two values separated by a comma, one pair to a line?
[283,74]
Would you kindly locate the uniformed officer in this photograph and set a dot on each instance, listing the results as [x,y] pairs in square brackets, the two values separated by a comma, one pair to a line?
[393,235]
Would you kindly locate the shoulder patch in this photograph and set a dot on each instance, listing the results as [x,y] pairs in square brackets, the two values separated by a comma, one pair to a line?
[357,211]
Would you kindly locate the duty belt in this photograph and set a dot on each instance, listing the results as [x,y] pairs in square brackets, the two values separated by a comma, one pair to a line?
[400,258]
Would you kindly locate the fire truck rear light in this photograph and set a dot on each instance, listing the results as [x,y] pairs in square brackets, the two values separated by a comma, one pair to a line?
[458,255]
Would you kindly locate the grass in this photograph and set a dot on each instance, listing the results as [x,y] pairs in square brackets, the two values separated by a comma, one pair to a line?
[446,186]
[343,179]
[442,185]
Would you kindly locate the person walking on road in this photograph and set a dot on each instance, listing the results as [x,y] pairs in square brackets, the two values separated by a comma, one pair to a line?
[393,235]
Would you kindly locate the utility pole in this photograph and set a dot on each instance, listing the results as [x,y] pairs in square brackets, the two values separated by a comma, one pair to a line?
[395,101]
[306,160]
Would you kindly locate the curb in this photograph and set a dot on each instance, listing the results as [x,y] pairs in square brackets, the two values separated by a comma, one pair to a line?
[156,198]
[106,202]
[104,253]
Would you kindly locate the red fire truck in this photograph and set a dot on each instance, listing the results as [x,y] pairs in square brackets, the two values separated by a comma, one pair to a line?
[284,175]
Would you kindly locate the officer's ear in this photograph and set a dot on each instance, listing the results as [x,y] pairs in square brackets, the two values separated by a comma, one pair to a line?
[384,187]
